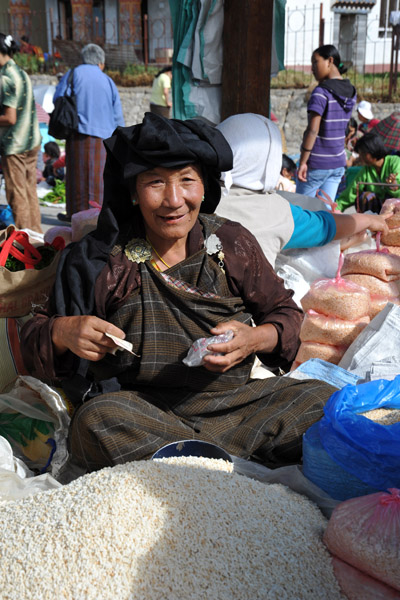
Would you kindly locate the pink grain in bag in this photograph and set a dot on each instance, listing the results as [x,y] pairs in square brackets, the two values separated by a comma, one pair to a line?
[337,297]
[330,330]
[326,352]
[365,533]
[391,205]
[376,263]
[357,585]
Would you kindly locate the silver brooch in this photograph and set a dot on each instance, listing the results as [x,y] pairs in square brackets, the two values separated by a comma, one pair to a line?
[213,246]
[138,250]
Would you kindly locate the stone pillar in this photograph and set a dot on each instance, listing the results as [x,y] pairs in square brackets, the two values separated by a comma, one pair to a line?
[360,49]
[20,18]
[82,20]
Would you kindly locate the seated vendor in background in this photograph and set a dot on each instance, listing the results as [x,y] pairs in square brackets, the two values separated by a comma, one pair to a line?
[51,156]
[161,271]
[378,167]
[249,194]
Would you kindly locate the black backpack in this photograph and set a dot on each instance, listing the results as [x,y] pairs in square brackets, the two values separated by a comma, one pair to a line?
[64,118]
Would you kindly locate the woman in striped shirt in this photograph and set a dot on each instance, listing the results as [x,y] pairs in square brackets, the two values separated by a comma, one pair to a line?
[323,156]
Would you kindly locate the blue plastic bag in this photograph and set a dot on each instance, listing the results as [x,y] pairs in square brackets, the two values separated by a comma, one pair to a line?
[324,472]
[6,216]
[368,450]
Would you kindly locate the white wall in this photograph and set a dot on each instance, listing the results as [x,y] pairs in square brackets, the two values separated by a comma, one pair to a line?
[303,36]
[378,49]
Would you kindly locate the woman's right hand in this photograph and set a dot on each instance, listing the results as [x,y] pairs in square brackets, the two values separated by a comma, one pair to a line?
[84,336]
[302,172]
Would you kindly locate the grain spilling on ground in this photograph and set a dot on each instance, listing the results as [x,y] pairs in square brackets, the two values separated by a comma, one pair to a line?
[383,416]
[175,529]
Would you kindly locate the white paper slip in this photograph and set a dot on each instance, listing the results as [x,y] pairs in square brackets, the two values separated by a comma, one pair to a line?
[123,344]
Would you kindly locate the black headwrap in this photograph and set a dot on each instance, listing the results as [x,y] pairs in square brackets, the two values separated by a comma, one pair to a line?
[161,142]
[132,150]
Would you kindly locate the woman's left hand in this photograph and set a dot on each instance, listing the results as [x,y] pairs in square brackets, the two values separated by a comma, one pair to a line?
[247,340]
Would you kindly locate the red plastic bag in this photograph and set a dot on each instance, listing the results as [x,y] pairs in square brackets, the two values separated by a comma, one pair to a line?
[365,533]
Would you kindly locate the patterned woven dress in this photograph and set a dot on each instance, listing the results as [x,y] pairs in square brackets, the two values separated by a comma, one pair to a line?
[163,400]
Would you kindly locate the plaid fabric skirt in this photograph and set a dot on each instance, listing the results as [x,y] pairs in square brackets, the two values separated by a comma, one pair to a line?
[85,161]
[267,425]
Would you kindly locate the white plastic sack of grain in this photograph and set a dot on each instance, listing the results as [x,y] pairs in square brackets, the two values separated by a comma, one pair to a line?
[377,341]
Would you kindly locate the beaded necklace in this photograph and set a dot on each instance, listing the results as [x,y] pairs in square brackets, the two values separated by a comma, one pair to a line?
[152,261]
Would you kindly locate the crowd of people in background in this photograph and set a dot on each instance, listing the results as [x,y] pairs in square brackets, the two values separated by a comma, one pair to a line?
[332,157]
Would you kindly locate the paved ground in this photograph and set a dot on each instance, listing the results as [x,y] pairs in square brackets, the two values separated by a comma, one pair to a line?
[49,217]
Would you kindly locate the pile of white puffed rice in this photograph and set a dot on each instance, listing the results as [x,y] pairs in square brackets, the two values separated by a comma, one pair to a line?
[171,529]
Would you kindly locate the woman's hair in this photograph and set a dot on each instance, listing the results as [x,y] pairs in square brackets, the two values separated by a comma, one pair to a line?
[52,149]
[163,70]
[8,45]
[329,51]
[92,54]
[352,123]
[288,163]
[373,144]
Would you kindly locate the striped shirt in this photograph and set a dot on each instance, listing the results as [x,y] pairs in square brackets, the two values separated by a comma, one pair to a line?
[18,94]
[328,151]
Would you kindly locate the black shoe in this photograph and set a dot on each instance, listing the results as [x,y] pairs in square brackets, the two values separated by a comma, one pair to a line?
[64,217]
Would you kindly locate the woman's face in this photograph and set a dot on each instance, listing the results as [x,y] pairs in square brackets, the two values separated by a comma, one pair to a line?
[352,132]
[169,200]
[320,66]
[368,160]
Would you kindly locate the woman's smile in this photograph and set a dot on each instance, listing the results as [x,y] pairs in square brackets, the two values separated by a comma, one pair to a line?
[169,200]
